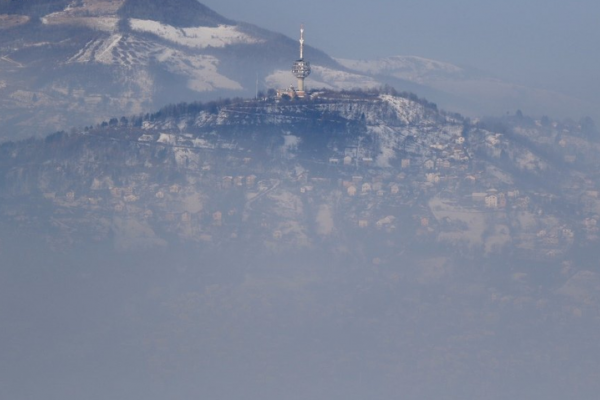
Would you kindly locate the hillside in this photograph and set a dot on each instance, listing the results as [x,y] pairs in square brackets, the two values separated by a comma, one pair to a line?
[253,247]
[468,90]
[177,13]
[385,160]
[360,243]
[75,63]
[71,65]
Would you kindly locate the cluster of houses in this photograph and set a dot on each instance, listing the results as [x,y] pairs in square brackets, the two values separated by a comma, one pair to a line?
[238,181]
[493,199]
[368,184]
[442,167]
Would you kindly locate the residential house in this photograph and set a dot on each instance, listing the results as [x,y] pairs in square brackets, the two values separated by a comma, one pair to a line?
[491,201]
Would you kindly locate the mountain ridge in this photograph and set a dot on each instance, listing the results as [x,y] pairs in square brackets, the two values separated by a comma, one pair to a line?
[381,136]
[179,13]
[86,62]
[76,63]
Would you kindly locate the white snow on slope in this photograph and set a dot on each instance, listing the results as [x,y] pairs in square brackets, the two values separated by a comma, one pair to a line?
[131,52]
[472,92]
[105,52]
[167,138]
[389,140]
[97,50]
[342,79]
[407,111]
[412,68]
[199,37]
[201,70]
[186,158]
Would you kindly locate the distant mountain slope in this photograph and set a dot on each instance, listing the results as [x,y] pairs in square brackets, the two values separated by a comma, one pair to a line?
[468,90]
[412,68]
[67,64]
[178,13]
[73,63]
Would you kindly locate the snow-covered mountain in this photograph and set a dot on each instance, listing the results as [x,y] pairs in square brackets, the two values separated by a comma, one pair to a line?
[375,152]
[66,63]
[411,68]
[70,63]
[467,90]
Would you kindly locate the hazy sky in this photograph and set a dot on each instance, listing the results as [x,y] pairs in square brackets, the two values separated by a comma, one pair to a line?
[542,43]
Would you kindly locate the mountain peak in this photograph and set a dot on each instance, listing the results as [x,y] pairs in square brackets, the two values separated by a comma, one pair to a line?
[179,13]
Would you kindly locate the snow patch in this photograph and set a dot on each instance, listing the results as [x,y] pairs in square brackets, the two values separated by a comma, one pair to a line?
[291,142]
[412,68]
[166,138]
[199,37]
[407,111]
[98,50]
[202,144]
[186,158]
[201,70]
[389,140]
[130,52]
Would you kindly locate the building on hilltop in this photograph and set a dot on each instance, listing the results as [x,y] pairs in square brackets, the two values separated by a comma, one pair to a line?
[301,70]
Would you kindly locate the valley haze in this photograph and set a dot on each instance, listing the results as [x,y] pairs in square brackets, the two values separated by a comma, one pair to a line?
[176,222]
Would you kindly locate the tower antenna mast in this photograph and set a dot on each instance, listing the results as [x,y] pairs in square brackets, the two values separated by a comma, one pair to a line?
[301,69]
[301,42]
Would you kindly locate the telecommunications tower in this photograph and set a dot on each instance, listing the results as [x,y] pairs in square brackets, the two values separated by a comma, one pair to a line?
[301,68]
